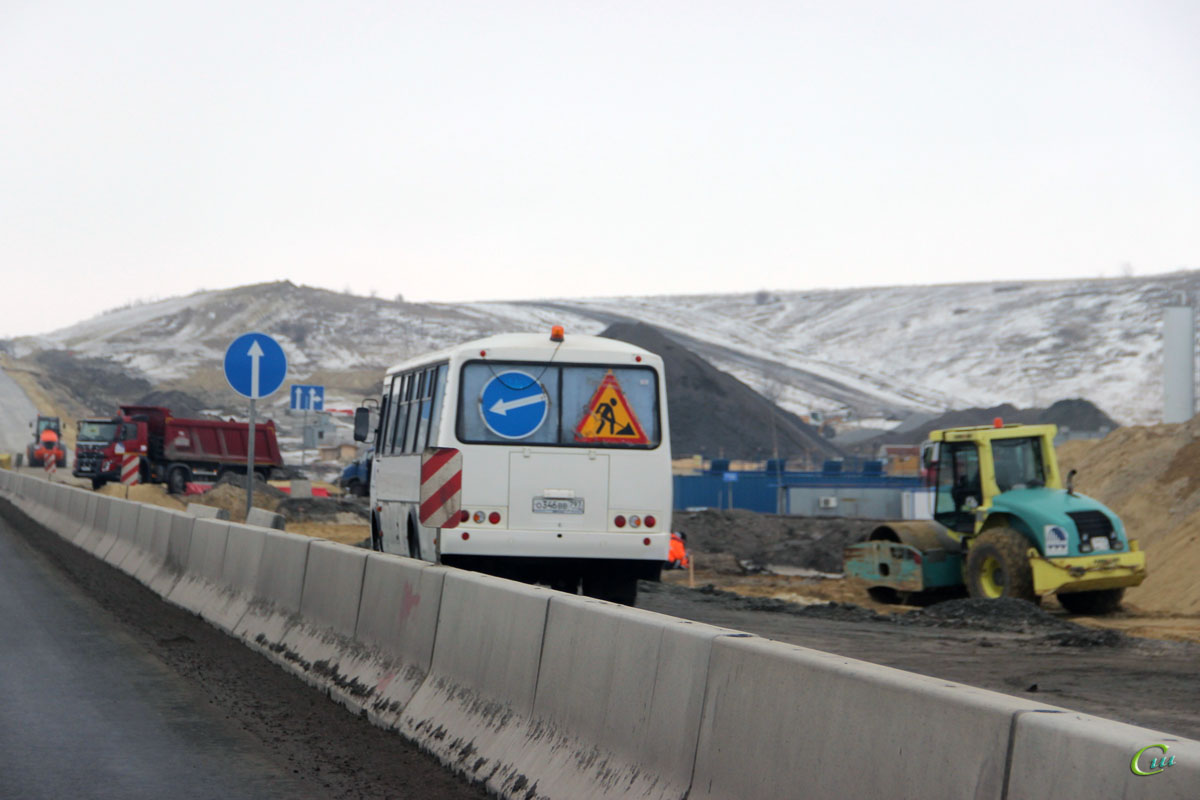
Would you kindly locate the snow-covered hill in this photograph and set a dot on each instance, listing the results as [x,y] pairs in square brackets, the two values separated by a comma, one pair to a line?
[869,352]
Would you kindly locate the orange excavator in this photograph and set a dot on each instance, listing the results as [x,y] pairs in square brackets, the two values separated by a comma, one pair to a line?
[46,443]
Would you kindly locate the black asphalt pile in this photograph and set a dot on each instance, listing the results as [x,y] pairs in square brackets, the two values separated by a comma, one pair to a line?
[1009,615]
[322,509]
[715,415]
[764,539]
[96,384]
[709,594]
[1004,615]
[181,404]
[1077,414]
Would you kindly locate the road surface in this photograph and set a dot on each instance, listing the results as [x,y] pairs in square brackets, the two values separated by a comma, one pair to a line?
[111,693]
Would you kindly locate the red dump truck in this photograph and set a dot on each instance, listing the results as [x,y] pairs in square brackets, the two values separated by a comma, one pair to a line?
[171,450]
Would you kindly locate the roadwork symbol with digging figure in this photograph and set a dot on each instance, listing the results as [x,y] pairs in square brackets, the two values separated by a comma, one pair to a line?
[609,418]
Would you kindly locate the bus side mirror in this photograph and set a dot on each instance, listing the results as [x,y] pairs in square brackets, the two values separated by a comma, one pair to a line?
[362,424]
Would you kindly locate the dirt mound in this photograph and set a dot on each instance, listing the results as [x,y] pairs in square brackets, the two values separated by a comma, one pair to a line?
[1150,476]
[151,493]
[763,539]
[341,510]
[716,415]
[233,500]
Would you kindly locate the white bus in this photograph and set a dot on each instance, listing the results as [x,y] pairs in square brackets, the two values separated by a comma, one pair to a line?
[566,461]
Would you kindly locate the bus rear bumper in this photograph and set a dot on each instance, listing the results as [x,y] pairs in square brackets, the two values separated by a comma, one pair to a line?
[634,545]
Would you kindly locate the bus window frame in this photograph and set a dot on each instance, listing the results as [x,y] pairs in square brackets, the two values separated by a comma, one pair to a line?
[532,366]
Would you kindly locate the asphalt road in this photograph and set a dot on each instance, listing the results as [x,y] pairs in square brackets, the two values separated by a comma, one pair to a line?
[108,692]
[16,412]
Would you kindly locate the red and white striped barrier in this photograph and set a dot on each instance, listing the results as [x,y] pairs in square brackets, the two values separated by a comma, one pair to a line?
[50,462]
[441,487]
[130,470]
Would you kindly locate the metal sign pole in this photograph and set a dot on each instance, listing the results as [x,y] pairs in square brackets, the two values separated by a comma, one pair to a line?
[250,462]
[304,438]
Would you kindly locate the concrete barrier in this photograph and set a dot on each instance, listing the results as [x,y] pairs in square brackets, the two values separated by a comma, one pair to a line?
[470,710]
[149,517]
[1068,754]
[639,740]
[315,648]
[278,589]
[202,511]
[127,535]
[117,517]
[781,720]
[201,578]
[154,537]
[239,573]
[397,621]
[89,536]
[541,694]
[265,519]
[175,561]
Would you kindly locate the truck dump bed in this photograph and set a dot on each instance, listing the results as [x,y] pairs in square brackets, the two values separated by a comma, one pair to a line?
[208,440]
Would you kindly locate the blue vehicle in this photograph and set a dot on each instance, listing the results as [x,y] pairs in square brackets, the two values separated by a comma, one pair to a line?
[356,478]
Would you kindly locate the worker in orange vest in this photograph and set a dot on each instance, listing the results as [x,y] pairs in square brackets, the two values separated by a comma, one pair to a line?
[677,555]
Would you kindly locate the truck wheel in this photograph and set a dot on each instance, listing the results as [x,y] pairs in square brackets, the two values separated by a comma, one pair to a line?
[884,594]
[97,483]
[1101,601]
[997,566]
[177,480]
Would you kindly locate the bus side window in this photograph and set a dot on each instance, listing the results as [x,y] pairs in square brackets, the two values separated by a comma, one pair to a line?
[384,407]
[426,404]
[414,418]
[397,400]
[439,393]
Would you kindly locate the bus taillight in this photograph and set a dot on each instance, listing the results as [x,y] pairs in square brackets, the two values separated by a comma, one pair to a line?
[619,521]
[635,521]
[464,516]
[479,517]
[494,517]
[650,520]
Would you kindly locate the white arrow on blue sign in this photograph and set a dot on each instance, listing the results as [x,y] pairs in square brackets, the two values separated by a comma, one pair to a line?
[255,365]
[308,397]
[513,405]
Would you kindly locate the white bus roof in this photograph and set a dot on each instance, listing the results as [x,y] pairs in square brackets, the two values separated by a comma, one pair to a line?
[531,346]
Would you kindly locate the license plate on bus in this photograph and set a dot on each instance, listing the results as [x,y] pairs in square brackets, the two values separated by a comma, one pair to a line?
[558,505]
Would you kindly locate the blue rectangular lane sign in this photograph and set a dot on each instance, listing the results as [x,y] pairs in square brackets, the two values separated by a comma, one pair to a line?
[307,397]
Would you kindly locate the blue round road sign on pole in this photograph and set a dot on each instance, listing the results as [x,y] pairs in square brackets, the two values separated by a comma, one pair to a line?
[255,365]
[513,405]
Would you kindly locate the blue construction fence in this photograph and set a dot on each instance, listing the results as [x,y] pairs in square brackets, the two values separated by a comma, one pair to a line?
[867,492]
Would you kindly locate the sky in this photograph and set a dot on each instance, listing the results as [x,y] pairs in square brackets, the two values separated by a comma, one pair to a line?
[455,151]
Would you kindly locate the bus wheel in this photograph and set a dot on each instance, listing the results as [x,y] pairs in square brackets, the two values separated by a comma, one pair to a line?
[565,582]
[376,535]
[414,542]
[616,587]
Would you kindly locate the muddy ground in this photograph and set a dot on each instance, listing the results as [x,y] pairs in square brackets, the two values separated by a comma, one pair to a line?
[334,752]
[1007,646]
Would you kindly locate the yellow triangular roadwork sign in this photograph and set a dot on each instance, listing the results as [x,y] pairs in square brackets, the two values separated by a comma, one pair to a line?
[609,417]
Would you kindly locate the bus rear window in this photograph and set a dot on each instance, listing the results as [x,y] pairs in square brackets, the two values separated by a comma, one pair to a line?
[564,405]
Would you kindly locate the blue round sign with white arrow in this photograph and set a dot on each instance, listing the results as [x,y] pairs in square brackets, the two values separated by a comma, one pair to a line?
[255,365]
[513,404]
